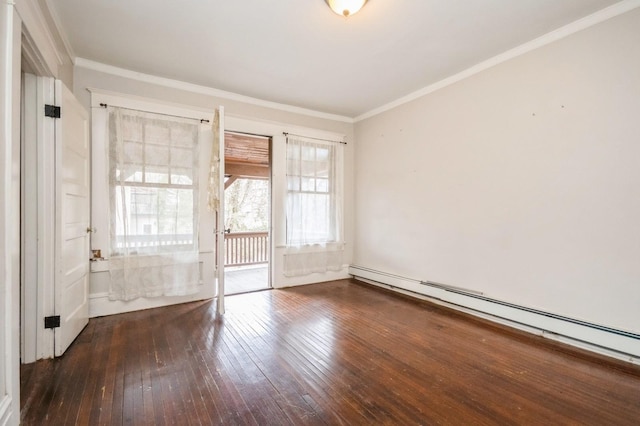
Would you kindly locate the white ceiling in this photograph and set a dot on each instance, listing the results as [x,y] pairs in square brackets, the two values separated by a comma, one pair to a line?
[299,53]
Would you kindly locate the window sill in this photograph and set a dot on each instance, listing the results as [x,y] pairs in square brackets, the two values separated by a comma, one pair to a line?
[101,265]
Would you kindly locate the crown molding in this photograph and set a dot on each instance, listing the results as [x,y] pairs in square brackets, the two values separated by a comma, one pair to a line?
[204,90]
[562,32]
[36,27]
[60,29]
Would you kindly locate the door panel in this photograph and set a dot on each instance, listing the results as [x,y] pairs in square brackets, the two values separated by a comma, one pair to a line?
[220,224]
[72,219]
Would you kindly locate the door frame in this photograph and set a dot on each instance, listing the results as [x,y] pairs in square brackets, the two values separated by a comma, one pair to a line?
[270,201]
[276,131]
[24,33]
[10,49]
[273,131]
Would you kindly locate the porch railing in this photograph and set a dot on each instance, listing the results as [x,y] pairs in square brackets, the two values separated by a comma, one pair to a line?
[241,248]
[246,248]
[145,241]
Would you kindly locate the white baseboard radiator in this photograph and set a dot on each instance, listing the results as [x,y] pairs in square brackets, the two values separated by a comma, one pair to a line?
[596,338]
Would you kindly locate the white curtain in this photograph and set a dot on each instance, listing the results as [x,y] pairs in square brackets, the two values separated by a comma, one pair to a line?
[314,207]
[214,176]
[153,203]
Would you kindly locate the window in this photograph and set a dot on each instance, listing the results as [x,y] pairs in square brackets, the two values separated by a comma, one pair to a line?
[149,160]
[153,179]
[314,192]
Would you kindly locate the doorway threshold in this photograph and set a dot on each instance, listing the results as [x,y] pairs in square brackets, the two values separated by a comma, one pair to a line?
[245,279]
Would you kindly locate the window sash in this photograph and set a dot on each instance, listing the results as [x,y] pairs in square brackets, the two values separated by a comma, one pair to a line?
[313,195]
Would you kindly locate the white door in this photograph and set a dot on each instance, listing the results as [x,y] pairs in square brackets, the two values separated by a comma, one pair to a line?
[72,219]
[220,249]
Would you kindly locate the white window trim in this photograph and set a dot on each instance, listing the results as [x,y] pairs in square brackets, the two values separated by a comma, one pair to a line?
[333,180]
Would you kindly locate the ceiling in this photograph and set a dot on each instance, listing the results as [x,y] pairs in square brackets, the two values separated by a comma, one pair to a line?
[245,156]
[299,53]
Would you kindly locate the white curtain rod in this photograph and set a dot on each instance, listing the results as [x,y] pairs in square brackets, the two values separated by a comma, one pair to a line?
[201,120]
[311,137]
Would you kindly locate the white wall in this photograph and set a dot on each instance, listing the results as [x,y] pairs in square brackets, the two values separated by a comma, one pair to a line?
[521,182]
[240,117]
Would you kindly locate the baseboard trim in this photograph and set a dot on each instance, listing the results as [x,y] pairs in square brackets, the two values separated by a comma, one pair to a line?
[100,305]
[603,340]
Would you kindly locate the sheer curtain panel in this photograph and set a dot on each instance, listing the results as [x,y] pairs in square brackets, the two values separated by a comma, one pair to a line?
[213,198]
[314,207]
[153,205]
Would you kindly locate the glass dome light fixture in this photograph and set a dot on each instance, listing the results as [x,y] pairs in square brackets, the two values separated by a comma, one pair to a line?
[345,8]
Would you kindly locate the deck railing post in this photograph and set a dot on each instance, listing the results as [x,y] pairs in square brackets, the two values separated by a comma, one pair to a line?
[246,248]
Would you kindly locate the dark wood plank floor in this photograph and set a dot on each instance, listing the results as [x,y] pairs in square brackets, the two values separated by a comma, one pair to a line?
[334,353]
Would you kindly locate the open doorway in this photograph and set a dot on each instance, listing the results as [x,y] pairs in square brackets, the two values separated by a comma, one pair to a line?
[247,200]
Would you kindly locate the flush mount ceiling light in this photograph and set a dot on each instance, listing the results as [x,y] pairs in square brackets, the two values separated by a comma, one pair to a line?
[345,7]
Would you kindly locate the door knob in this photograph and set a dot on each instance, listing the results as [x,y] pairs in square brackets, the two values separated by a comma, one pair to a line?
[91,229]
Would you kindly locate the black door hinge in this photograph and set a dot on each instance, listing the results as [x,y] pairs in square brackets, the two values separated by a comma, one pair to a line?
[52,322]
[52,111]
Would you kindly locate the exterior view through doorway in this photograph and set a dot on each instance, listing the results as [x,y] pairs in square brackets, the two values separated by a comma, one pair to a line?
[247,221]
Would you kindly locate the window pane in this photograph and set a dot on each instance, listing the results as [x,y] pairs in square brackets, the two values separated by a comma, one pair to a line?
[322,154]
[322,169]
[182,137]
[156,154]
[176,206]
[308,153]
[133,152]
[293,183]
[293,151]
[308,168]
[312,207]
[157,135]
[144,202]
[308,184]
[131,129]
[129,173]
[181,157]
[164,212]
[322,185]
[182,176]
[293,168]
[155,174]
[316,226]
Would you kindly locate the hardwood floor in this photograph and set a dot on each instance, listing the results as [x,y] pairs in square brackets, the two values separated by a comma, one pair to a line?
[334,353]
